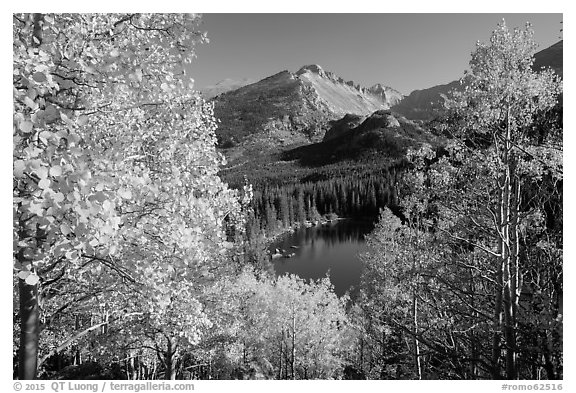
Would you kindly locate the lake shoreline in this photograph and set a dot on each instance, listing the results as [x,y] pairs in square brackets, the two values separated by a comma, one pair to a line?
[269,241]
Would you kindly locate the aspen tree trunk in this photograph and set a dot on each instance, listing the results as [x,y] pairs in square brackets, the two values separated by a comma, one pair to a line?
[497,323]
[77,326]
[508,260]
[280,359]
[29,311]
[132,367]
[155,370]
[474,355]
[507,280]
[518,281]
[168,360]
[286,360]
[29,330]
[507,328]
[416,269]
[210,367]
[293,359]
[362,354]
[416,342]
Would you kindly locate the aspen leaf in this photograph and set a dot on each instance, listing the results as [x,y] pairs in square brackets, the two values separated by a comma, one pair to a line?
[36,208]
[58,197]
[30,103]
[56,171]
[44,183]
[66,119]
[32,279]
[32,94]
[125,193]
[19,166]
[39,77]
[26,126]
[100,196]
[23,274]
[42,172]
[80,230]
[45,135]
[65,229]
[71,255]
[82,120]
[51,112]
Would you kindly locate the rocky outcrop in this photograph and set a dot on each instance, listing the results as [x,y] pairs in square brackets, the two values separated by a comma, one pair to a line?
[343,125]
[384,135]
[385,131]
[379,119]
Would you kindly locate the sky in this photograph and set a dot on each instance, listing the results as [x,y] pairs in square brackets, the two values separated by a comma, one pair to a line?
[403,51]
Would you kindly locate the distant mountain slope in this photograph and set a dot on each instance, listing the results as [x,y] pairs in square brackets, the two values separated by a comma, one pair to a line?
[551,57]
[224,86]
[422,104]
[293,108]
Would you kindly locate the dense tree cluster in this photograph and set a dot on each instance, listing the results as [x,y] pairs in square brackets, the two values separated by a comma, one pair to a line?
[118,212]
[283,329]
[122,228]
[471,286]
[282,206]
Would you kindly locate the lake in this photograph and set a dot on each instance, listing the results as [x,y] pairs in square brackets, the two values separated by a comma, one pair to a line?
[333,247]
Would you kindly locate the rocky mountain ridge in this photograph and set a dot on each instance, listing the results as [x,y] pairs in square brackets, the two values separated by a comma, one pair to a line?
[293,108]
[375,95]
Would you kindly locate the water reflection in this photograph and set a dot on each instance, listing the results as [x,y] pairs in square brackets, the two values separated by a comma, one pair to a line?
[332,247]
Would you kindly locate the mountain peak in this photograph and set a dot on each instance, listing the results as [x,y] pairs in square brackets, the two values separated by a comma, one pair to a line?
[379,88]
[314,68]
[386,93]
[293,107]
